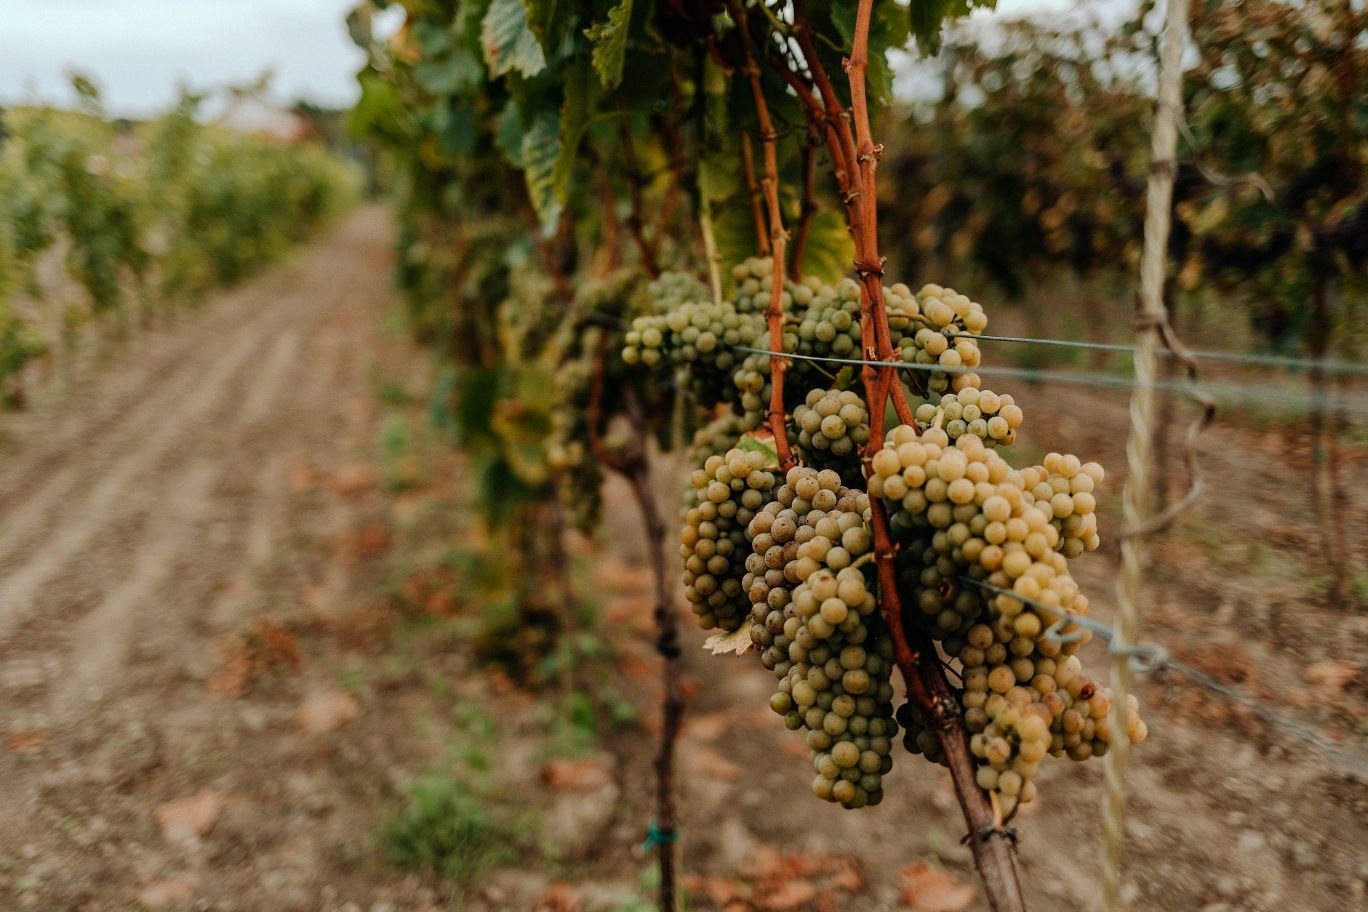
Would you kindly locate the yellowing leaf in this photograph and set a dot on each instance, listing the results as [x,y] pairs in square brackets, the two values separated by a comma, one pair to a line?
[738,641]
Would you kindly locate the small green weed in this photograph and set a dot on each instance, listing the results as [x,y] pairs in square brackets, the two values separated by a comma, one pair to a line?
[445,827]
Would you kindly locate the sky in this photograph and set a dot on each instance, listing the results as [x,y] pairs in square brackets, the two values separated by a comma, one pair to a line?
[139,50]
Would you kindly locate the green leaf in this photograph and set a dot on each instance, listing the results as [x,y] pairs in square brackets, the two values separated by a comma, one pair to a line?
[541,148]
[432,38]
[830,250]
[580,98]
[459,132]
[509,134]
[925,18]
[610,43]
[760,441]
[509,42]
[734,231]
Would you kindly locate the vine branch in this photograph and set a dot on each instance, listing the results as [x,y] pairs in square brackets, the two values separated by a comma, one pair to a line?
[919,664]
[778,244]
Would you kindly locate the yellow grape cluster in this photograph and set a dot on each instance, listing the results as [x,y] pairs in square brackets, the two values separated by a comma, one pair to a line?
[962,511]
[726,494]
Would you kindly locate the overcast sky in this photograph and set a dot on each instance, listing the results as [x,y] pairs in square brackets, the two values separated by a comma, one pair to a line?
[138,50]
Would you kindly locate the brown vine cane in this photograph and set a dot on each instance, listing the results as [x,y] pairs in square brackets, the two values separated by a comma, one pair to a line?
[993,850]
[634,465]
[778,244]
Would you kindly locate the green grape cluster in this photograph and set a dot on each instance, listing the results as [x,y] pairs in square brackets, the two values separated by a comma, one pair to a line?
[671,289]
[726,493]
[833,425]
[964,512]
[697,338]
[990,417]
[1067,485]
[983,547]
[567,451]
[815,619]
[947,322]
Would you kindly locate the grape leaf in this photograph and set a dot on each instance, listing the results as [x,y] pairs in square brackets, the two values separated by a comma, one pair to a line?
[610,43]
[541,150]
[509,134]
[760,441]
[830,250]
[738,641]
[581,97]
[509,42]
[926,17]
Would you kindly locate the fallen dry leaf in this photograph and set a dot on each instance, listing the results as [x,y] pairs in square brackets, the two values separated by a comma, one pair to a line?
[712,765]
[1333,674]
[559,897]
[369,540]
[930,889]
[301,475]
[164,893]
[786,897]
[326,711]
[189,818]
[26,740]
[709,727]
[562,773]
[353,479]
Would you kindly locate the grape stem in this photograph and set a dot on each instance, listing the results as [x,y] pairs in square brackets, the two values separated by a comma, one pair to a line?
[917,658]
[762,243]
[778,244]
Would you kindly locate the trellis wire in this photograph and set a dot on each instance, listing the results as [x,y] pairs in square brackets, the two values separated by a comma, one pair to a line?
[1232,392]
[1149,658]
[1246,358]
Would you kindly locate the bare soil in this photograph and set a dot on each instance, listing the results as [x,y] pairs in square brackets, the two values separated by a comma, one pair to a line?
[230,635]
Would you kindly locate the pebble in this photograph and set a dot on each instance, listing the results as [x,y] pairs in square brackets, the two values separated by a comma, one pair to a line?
[1252,841]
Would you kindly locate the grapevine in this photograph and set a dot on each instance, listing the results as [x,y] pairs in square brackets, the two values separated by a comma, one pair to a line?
[855,526]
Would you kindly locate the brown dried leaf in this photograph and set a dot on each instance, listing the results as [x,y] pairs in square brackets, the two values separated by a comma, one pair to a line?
[1332,674]
[26,740]
[709,727]
[559,897]
[326,711]
[786,897]
[188,818]
[164,893]
[930,889]
[713,765]
[564,773]
[354,479]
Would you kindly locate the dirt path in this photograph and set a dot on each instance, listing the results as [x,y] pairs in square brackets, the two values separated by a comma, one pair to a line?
[215,475]
[209,701]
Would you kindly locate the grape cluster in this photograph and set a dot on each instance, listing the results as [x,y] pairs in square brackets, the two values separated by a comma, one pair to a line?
[982,547]
[696,338]
[833,425]
[947,322]
[567,451]
[1067,485]
[983,413]
[815,619]
[726,493]
[672,289]
[964,512]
